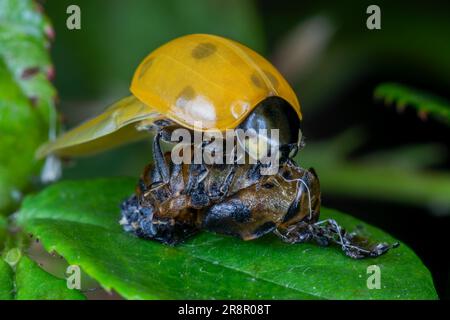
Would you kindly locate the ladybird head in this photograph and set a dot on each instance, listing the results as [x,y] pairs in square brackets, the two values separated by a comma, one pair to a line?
[276,127]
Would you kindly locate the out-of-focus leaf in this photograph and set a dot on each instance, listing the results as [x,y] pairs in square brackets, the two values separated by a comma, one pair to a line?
[425,104]
[79,220]
[26,95]
[33,283]
[6,281]
[382,179]
[3,230]
[353,52]
[408,157]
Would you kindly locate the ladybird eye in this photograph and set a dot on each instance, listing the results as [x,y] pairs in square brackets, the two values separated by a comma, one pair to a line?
[268,185]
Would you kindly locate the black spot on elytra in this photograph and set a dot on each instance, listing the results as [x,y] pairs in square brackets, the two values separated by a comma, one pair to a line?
[256,80]
[259,82]
[271,78]
[203,50]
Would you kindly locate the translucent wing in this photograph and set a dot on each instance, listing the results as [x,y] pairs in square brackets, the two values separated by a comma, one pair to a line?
[115,126]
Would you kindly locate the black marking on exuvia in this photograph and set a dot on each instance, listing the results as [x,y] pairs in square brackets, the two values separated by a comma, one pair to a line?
[214,191]
[254,174]
[203,50]
[222,214]
[142,223]
[265,228]
[268,185]
[199,198]
[166,232]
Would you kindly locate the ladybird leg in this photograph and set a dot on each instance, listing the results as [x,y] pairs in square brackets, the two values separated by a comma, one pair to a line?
[329,231]
[227,183]
[197,173]
[297,233]
[159,160]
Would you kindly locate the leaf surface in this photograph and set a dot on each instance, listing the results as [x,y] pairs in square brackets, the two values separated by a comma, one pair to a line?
[33,283]
[6,281]
[79,220]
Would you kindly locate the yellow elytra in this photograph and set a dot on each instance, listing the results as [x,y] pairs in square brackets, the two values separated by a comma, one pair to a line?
[197,79]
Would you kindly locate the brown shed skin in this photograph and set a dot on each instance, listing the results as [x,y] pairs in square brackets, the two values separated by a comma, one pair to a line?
[248,206]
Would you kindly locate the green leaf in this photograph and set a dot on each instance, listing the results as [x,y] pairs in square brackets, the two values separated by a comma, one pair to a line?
[3,230]
[26,95]
[22,279]
[33,283]
[6,281]
[79,220]
[425,103]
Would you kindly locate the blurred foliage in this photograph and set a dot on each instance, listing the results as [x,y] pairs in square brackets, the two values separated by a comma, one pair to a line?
[6,281]
[328,53]
[80,223]
[33,283]
[25,280]
[3,230]
[26,96]
[412,44]
[425,103]
[397,175]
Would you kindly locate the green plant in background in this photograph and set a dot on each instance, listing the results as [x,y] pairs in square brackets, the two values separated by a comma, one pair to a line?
[328,51]
[26,96]
[26,112]
[79,219]
[404,168]
[426,104]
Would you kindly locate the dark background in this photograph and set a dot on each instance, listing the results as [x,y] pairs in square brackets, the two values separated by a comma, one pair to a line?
[334,63]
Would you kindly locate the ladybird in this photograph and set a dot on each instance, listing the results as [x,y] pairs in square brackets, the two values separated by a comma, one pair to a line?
[196,79]
[207,83]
